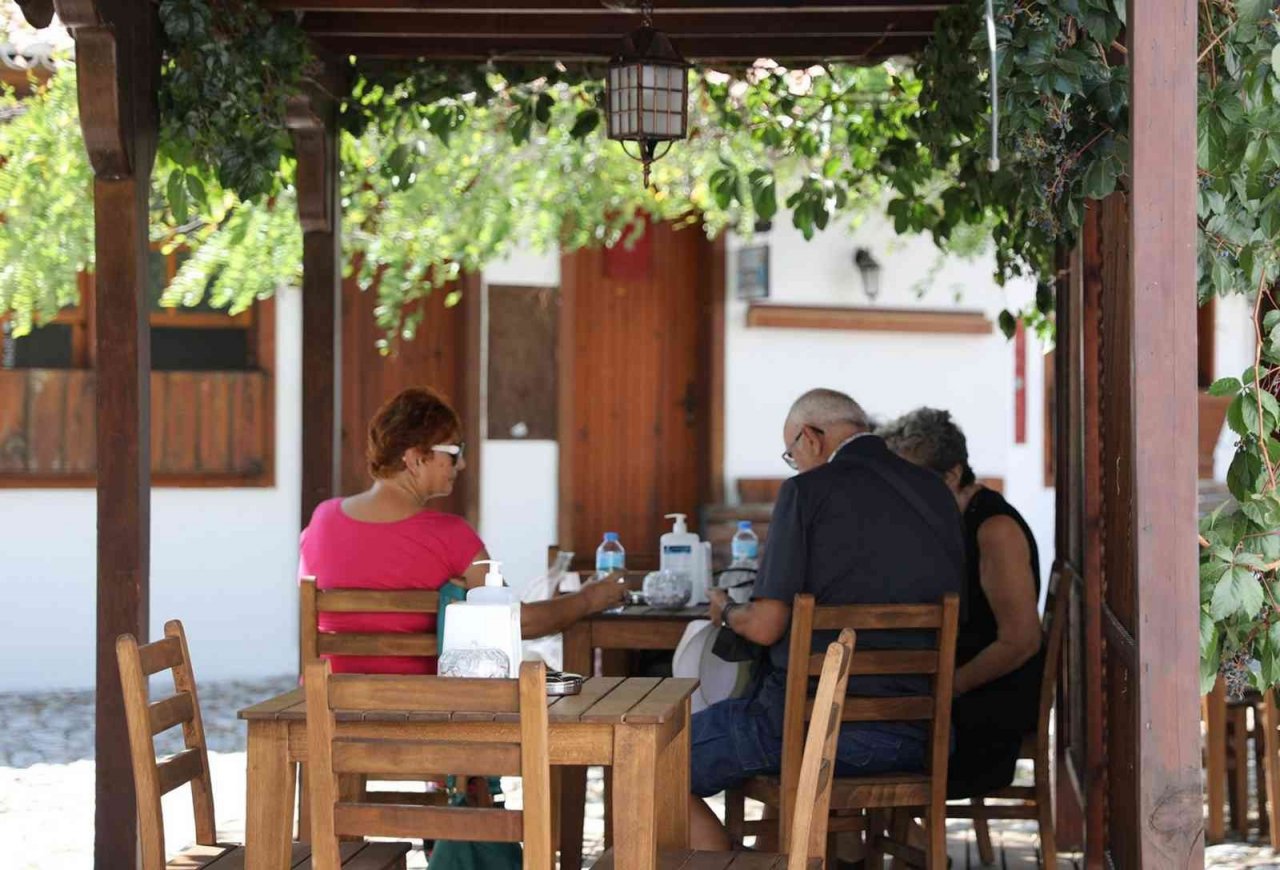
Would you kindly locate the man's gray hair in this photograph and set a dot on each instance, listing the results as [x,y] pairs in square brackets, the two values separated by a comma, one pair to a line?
[822,407]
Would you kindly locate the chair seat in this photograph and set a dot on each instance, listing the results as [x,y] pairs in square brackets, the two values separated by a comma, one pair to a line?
[854,792]
[676,859]
[355,856]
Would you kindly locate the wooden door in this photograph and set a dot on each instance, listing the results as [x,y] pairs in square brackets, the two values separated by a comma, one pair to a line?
[636,389]
[444,354]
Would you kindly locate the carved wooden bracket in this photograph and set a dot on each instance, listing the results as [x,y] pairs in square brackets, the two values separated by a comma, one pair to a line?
[312,121]
[116,71]
[39,13]
[311,142]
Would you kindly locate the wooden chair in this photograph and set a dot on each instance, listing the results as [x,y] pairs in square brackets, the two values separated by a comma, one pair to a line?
[153,778]
[385,747]
[852,796]
[808,834]
[1032,801]
[313,643]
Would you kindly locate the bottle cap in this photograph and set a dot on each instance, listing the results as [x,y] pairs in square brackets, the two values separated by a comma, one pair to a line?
[494,575]
[679,526]
[744,525]
[611,536]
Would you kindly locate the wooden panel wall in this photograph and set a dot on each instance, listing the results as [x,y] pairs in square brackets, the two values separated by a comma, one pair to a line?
[635,391]
[438,356]
[207,428]
[521,398]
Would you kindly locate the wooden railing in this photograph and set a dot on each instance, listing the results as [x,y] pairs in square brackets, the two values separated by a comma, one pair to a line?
[207,428]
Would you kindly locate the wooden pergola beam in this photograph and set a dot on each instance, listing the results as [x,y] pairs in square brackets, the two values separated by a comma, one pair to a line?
[609,25]
[591,7]
[745,50]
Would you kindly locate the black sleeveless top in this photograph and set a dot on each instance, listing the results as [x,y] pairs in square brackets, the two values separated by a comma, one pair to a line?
[990,720]
[979,629]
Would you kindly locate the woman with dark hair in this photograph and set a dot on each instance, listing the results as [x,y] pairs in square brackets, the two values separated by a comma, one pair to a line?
[998,651]
[387,538]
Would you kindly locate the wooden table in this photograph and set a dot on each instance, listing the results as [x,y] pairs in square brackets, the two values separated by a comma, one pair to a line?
[637,726]
[634,628]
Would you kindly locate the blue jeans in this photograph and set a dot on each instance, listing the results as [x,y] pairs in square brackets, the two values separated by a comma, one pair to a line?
[735,740]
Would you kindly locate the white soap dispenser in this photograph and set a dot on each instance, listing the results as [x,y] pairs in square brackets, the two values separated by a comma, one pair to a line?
[494,590]
[681,553]
[495,593]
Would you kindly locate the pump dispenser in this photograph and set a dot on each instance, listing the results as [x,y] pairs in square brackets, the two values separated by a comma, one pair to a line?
[681,554]
[494,590]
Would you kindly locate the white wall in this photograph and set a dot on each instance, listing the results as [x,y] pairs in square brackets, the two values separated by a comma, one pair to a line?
[1234,344]
[888,373]
[222,560]
[520,482]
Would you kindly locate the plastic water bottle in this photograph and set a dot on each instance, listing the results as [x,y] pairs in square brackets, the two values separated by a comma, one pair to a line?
[746,546]
[610,556]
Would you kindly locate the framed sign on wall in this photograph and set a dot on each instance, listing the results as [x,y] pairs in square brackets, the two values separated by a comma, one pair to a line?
[753,272]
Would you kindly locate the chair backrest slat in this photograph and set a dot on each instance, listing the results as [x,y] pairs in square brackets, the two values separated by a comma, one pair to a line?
[937,662]
[817,769]
[377,601]
[866,617]
[312,602]
[399,756]
[915,708]
[153,778]
[376,644]
[372,699]
[179,770]
[162,655]
[413,694]
[173,710]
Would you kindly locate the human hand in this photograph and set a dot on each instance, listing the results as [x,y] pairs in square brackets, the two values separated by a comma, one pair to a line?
[604,593]
[716,600]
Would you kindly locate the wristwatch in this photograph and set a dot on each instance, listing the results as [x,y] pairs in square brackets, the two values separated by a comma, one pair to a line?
[724,612]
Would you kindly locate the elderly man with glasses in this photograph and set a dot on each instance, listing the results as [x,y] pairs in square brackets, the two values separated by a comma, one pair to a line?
[856,525]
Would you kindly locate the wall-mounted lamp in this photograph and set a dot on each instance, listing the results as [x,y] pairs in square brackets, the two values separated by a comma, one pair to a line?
[869,269]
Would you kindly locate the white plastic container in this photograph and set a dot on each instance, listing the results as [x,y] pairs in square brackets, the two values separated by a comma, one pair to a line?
[488,619]
[681,553]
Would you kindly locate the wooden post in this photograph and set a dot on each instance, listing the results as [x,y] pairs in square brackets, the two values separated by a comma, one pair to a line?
[117,71]
[1162,305]
[313,123]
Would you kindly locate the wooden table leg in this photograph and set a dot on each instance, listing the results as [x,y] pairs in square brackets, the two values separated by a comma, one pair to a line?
[1215,716]
[573,802]
[1270,742]
[635,826]
[573,785]
[271,785]
[673,791]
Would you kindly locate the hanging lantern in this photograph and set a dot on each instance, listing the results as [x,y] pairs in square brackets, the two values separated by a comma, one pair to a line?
[647,94]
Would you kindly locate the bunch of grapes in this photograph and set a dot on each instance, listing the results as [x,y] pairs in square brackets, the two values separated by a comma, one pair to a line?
[1235,673]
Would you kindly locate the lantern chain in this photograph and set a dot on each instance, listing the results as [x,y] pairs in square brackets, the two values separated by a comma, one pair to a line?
[646,13]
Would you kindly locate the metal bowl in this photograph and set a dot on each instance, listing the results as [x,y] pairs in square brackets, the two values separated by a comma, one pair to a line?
[559,683]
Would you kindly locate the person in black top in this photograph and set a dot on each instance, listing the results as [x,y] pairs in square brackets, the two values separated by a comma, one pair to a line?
[857,525]
[999,660]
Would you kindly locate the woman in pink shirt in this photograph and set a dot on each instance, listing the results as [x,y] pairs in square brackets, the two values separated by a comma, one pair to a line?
[386,538]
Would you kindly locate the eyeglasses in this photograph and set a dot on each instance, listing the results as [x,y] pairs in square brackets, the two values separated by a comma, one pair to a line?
[455,451]
[787,457]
